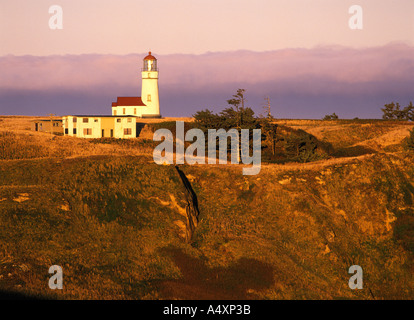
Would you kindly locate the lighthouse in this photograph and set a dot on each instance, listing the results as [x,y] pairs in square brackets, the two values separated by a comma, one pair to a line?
[149,88]
[148,104]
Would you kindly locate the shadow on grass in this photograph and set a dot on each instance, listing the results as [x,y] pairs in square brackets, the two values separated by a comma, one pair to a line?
[354,151]
[239,281]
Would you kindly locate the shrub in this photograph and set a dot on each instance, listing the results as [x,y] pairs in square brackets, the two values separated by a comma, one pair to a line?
[298,145]
[332,116]
[409,141]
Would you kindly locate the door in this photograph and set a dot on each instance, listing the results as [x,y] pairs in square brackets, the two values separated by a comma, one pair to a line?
[112,133]
[103,133]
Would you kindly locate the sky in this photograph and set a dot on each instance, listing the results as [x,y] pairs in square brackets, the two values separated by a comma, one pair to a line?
[300,53]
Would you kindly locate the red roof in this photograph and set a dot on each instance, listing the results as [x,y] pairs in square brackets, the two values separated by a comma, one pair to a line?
[150,57]
[128,101]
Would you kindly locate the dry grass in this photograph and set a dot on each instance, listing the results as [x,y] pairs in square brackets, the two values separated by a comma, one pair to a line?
[17,141]
[347,134]
[16,123]
[23,144]
[105,213]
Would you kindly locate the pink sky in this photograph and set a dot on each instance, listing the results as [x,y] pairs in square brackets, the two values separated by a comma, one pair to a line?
[198,26]
[300,53]
[184,71]
[300,82]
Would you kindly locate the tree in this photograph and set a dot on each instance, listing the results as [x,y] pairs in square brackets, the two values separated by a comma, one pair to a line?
[332,116]
[392,111]
[399,114]
[238,99]
[206,119]
[409,112]
[388,111]
[294,145]
[238,103]
[243,118]
[269,131]
[236,116]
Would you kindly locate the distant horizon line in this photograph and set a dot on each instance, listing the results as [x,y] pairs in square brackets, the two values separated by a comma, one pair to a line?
[191,117]
[315,47]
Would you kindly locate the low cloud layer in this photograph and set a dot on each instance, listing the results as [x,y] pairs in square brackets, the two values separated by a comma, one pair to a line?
[301,83]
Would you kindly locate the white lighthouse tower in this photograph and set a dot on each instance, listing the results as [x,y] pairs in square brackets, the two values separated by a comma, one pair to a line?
[149,89]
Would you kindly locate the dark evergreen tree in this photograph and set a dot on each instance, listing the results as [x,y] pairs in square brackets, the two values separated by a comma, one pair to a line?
[389,111]
[206,119]
[409,112]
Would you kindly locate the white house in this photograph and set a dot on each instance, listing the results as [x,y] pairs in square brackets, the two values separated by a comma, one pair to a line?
[88,126]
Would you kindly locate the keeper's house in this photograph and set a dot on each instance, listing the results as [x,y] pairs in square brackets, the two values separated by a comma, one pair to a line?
[90,126]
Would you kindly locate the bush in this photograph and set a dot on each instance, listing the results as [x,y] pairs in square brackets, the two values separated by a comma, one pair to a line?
[409,141]
[296,145]
[303,147]
[332,116]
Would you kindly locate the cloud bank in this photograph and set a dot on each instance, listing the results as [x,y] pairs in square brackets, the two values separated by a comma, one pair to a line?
[301,83]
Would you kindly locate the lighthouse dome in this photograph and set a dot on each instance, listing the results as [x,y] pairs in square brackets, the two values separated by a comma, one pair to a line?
[150,57]
[150,63]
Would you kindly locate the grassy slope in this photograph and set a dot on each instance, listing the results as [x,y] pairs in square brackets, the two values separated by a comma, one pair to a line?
[290,232]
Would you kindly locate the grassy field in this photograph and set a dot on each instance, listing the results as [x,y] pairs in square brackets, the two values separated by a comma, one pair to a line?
[110,217]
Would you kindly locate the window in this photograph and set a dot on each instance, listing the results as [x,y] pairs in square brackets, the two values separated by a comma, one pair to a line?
[123,110]
[135,110]
[75,120]
[118,120]
[129,120]
[87,131]
[74,131]
[96,120]
[127,131]
[85,120]
[115,112]
[149,98]
[66,131]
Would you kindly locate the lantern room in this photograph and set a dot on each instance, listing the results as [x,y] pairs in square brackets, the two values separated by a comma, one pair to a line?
[150,63]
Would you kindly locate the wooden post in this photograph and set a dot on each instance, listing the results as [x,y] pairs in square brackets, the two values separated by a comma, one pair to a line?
[51,123]
[274,137]
[267,107]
